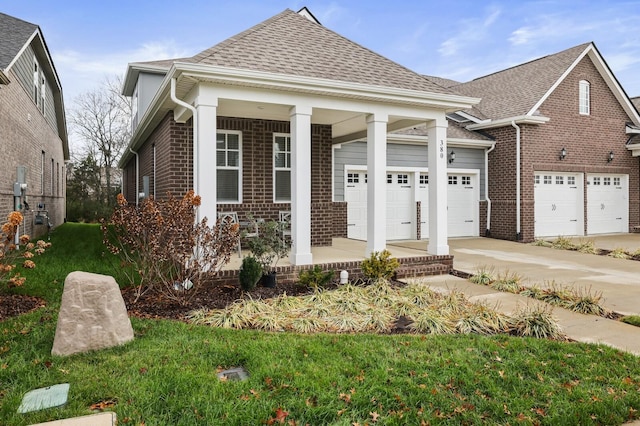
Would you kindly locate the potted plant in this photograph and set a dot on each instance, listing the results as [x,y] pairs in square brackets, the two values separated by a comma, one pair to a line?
[268,247]
[250,273]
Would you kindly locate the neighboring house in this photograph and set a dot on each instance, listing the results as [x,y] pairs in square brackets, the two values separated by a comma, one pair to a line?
[565,161]
[256,124]
[33,133]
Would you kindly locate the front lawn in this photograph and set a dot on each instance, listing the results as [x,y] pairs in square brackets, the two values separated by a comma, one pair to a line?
[168,374]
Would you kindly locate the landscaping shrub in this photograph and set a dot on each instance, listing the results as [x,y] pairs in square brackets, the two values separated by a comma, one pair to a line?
[250,273]
[619,253]
[12,254]
[379,266]
[316,277]
[483,276]
[161,246]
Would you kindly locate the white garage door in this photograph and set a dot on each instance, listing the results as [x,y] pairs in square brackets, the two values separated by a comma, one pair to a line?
[400,207]
[462,199]
[607,203]
[356,197]
[558,204]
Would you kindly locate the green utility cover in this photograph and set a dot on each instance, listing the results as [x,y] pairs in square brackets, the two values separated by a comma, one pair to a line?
[39,399]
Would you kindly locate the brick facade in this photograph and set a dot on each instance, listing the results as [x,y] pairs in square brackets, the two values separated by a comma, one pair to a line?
[174,171]
[588,140]
[24,136]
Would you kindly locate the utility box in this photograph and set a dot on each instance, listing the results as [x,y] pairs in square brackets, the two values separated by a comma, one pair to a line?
[21,174]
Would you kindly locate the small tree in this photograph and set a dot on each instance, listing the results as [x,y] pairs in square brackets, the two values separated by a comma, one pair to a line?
[269,246]
[164,250]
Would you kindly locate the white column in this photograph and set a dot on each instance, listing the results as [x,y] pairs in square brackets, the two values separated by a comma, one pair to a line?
[204,157]
[376,182]
[438,181]
[300,117]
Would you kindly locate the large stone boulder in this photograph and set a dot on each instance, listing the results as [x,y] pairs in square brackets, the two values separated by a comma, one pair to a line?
[92,315]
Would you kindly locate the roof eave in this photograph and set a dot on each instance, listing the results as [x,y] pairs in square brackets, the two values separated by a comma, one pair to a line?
[457,142]
[323,86]
[522,119]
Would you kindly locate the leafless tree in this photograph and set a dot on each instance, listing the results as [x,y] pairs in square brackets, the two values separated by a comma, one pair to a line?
[101,118]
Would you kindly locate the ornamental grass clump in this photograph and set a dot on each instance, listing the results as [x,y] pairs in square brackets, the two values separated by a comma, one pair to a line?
[12,254]
[587,247]
[162,249]
[536,321]
[619,253]
[483,276]
[586,302]
[509,281]
[563,243]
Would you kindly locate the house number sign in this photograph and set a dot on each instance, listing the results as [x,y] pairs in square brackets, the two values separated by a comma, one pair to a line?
[441,148]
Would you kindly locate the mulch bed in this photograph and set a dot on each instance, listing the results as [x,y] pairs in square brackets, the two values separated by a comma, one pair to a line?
[12,305]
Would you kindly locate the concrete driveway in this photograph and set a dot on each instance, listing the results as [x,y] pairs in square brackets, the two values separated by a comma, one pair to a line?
[617,279]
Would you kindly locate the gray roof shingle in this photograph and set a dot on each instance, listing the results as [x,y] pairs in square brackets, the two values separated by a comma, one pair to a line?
[14,34]
[291,44]
[514,91]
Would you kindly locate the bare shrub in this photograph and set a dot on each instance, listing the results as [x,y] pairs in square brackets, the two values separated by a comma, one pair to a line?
[161,247]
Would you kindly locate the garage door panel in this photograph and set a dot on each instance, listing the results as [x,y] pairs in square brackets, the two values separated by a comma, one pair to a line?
[607,204]
[558,204]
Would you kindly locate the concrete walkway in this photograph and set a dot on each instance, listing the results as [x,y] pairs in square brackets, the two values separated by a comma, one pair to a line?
[618,280]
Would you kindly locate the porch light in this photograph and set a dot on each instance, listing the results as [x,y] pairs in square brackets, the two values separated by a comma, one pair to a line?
[610,158]
[563,153]
[452,157]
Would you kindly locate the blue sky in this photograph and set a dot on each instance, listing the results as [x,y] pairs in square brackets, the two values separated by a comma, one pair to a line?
[462,40]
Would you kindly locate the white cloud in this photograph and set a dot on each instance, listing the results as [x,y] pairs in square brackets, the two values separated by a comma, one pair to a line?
[83,71]
[474,31]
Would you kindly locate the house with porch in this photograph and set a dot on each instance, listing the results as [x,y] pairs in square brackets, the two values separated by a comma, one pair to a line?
[258,124]
[33,130]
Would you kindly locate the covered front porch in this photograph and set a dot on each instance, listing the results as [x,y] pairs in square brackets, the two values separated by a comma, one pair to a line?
[347,254]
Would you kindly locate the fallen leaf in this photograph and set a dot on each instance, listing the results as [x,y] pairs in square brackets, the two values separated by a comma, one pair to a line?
[254,393]
[142,370]
[341,412]
[281,415]
[539,411]
[311,401]
[374,416]
[501,373]
[103,405]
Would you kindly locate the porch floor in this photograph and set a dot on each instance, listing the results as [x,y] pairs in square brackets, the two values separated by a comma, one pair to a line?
[345,250]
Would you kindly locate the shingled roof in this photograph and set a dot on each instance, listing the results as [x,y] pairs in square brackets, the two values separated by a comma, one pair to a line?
[291,44]
[14,34]
[514,92]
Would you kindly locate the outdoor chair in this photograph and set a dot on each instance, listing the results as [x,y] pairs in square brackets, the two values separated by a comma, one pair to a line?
[231,218]
[285,224]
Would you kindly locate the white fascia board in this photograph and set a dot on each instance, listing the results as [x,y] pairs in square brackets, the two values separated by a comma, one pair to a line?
[635,149]
[471,117]
[21,51]
[522,119]
[423,140]
[325,86]
[630,130]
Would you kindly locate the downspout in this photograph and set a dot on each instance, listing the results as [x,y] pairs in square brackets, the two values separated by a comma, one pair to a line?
[518,234]
[486,188]
[137,175]
[154,171]
[195,133]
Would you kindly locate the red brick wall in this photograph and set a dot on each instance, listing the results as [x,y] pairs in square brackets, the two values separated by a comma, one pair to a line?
[173,143]
[587,139]
[24,135]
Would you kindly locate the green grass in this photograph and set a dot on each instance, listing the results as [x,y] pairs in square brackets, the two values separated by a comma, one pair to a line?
[631,319]
[167,375]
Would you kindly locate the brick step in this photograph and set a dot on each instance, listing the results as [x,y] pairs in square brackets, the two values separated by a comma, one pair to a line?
[412,271]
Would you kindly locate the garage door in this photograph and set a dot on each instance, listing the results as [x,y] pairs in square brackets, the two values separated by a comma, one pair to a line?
[400,207]
[462,199]
[356,197]
[607,203]
[558,204]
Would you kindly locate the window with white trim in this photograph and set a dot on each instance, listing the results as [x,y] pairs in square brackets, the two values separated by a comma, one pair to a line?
[389,178]
[424,179]
[596,181]
[52,178]
[453,180]
[584,97]
[403,179]
[606,181]
[536,179]
[616,181]
[547,180]
[559,180]
[281,168]
[228,166]
[466,180]
[571,180]
[43,93]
